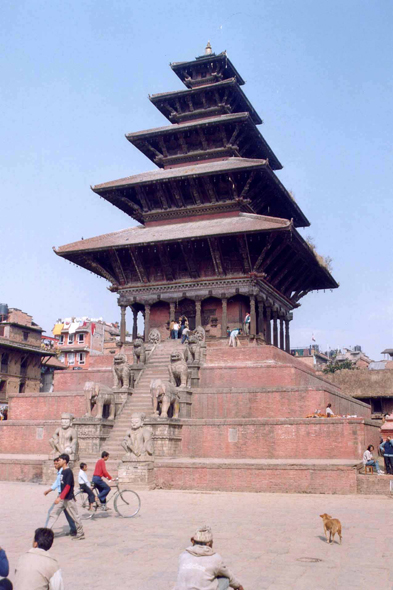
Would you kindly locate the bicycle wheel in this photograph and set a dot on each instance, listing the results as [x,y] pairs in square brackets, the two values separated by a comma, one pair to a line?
[127,503]
[82,501]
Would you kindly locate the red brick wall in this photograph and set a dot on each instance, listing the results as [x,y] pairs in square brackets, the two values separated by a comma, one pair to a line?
[274,479]
[271,403]
[329,438]
[21,436]
[75,380]
[44,406]
[159,316]
[11,470]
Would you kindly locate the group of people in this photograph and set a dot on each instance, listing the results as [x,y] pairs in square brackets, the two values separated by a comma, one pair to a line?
[179,329]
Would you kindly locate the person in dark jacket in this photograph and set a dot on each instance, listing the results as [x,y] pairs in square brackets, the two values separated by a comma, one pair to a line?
[4,566]
[388,455]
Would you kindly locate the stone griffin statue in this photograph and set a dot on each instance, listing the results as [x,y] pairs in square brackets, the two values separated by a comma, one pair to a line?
[122,372]
[163,396]
[65,438]
[139,352]
[154,336]
[193,349]
[200,333]
[177,369]
[98,394]
[138,441]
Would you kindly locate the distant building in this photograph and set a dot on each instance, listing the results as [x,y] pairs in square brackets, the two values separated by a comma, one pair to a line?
[355,355]
[80,338]
[20,352]
[311,356]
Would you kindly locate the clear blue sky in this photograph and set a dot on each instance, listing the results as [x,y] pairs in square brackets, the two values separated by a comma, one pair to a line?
[75,79]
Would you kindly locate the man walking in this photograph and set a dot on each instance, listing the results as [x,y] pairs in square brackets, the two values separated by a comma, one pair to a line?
[38,569]
[201,568]
[56,486]
[66,499]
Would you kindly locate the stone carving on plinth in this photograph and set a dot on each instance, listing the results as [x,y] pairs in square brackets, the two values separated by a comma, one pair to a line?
[139,352]
[138,442]
[98,394]
[177,369]
[154,336]
[122,372]
[65,438]
[137,466]
[164,395]
[200,333]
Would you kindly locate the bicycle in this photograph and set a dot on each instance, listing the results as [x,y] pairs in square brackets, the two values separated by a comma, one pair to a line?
[127,503]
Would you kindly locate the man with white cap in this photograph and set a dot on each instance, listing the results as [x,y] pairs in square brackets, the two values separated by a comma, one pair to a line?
[201,568]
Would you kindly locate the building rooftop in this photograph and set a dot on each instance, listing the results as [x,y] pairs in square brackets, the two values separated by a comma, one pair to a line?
[229,70]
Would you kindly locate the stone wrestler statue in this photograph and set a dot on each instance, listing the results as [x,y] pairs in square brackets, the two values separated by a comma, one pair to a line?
[139,439]
[65,438]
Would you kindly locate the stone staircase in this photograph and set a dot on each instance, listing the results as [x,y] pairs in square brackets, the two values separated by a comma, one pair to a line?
[155,368]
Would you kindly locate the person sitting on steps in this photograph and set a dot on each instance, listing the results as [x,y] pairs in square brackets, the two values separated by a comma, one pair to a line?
[368,459]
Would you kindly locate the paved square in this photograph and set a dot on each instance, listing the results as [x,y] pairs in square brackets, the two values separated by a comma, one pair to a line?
[262,537]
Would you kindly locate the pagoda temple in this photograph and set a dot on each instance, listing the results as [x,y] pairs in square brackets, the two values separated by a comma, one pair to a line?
[217,233]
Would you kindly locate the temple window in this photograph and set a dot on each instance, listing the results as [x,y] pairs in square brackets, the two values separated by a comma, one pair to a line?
[25,336]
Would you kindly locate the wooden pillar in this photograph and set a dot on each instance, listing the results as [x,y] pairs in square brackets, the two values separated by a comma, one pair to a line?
[224,318]
[261,323]
[253,324]
[287,337]
[147,321]
[198,317]
[123,309]
[282,333]
[275,331]
[268,325]
[135,324]
[171,312]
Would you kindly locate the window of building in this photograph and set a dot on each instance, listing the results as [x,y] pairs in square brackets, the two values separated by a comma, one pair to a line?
[4,362]
[61,341]
[22,386]
[81,358]
[23,365]
[81,338]
[25,336]
[71,338]
[71,358]
[1,330]
[61,357]
[3,386]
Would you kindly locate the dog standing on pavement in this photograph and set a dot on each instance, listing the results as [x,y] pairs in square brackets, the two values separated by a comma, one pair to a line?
[331,525]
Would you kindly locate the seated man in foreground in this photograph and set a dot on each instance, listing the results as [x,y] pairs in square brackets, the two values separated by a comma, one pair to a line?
[201,568]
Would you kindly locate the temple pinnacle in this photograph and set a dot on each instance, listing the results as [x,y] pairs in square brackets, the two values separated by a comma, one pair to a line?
[208,49]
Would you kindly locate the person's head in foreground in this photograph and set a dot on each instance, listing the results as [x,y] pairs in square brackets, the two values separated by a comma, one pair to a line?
[6,584]
[43,539]
[203,536]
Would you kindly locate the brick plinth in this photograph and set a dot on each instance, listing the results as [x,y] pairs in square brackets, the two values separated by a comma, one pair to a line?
[27,436]
[324,438]
[21,468]
[140,475]
[264,402]
[46,406]
[242,476]
[166,437]
[371,484]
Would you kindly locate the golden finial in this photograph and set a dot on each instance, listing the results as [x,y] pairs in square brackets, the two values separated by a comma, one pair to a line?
[208,49]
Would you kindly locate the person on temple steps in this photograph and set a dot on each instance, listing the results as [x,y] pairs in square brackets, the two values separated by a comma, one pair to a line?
[233,337]
[329,411]
[247,322]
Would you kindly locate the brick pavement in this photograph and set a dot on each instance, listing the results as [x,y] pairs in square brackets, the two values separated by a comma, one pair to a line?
[261,536]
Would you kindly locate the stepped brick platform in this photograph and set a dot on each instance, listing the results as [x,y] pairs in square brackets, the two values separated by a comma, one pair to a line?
[248,430]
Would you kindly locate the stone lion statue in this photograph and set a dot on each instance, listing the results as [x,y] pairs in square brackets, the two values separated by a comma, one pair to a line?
[98,394]
[193,349]
[177,369]
[163,396]
[154,336]
[122,372]
[139,352]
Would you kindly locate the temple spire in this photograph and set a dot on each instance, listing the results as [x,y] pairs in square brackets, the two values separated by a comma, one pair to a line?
[208,49]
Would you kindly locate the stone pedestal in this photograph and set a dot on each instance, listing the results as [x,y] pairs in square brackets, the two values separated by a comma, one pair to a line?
[193,374]
[137,473]
[185,397]
[92,434]
[166,436]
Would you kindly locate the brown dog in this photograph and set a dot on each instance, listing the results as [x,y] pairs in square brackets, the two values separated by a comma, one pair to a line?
[333,525]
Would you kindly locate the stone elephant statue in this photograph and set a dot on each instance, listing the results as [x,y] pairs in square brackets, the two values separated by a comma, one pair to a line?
[99,395]
[164,395]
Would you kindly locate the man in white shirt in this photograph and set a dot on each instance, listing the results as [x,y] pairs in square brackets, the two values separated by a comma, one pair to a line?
[329,411]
